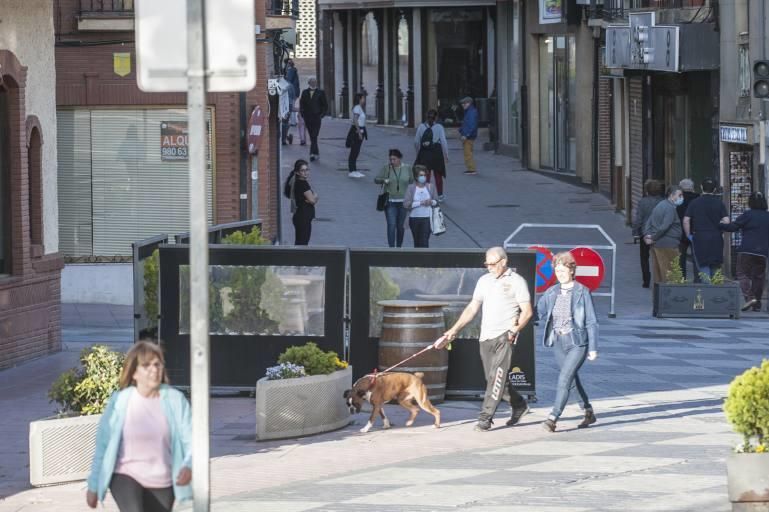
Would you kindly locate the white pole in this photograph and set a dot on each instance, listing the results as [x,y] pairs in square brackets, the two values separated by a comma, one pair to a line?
[199,342]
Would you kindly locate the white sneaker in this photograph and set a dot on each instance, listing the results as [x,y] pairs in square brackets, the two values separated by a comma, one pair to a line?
[355,174]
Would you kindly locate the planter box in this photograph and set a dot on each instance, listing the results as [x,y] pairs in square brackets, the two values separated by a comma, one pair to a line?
[302,406]
[61,449]
[748,480]
[697,300]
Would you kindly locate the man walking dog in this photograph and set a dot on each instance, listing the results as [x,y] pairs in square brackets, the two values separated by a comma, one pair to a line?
[505,301]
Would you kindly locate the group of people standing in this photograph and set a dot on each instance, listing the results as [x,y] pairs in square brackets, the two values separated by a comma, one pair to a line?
[669,224]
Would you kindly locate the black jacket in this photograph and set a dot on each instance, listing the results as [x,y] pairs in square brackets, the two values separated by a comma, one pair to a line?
[754,225]
[317,105]
[688,198]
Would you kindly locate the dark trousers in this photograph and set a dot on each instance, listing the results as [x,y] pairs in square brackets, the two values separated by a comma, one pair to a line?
[352,160]
[395,215]
[313,128]
[751,272]
[497,359]
[570,359]
[684,248]
[645,272]
[420,230]
[130,496]
[284,128]
[302,229]
[438,181]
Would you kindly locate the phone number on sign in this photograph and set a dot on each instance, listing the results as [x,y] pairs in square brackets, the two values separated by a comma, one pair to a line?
[172,153]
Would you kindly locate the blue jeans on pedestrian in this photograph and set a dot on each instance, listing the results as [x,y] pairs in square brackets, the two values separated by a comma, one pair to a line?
[570,358]
[395,214]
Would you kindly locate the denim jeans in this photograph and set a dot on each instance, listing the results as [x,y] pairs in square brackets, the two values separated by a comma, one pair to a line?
[395,214]
[570,358]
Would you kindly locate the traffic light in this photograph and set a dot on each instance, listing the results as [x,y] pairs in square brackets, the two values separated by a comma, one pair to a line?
[761,79]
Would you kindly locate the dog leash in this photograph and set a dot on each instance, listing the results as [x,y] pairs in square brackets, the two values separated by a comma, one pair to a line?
[409,358]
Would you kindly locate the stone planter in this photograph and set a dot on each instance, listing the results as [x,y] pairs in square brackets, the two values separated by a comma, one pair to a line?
[691,300]
[302,406]
[61,449]
[748,481]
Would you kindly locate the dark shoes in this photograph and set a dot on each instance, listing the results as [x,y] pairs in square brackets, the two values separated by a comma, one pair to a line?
[589,419]
[549,425]
[483,425]
[757,306]
[749,304]
[515,417]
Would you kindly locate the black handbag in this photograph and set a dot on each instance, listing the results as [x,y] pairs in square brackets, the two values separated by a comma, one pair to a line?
[381,199]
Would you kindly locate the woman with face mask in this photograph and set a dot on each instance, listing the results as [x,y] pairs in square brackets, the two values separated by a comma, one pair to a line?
[419,201]
[571,328]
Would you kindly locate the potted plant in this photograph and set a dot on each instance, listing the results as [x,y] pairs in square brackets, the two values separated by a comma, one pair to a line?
[747,409]
[61,447]
[714,297]
[302,395]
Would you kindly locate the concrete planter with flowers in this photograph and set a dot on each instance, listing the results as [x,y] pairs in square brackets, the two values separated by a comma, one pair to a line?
[292,402]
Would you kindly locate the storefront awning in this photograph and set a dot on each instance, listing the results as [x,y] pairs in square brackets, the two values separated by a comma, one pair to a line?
[379,4]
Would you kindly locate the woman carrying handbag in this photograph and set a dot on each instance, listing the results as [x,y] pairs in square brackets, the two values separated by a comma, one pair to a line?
[396,178]
[419,201]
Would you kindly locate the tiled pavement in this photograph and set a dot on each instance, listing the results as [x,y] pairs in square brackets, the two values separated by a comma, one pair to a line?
[657,387]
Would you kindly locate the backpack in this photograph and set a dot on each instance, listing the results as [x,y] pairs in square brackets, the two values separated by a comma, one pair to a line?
[427,138]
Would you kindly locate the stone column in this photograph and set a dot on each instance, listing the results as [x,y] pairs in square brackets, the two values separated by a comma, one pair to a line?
[379,18]
[410,90]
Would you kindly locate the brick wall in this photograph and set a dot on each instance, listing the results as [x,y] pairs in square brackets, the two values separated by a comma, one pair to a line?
[85,78]
[30,312]
[604,135]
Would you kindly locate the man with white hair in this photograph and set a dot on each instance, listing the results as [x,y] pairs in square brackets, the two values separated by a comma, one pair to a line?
[504,298]
[687,187]
[313,105]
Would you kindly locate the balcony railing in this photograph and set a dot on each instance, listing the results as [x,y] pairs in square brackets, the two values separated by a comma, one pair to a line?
[619,9]
[107,7]
[284,8]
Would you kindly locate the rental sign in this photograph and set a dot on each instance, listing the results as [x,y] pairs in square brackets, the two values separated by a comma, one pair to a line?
[174,140]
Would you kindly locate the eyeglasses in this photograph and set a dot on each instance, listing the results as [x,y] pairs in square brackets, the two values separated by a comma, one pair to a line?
[486,264]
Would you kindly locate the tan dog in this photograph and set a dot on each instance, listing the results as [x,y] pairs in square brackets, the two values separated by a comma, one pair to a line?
[405,388]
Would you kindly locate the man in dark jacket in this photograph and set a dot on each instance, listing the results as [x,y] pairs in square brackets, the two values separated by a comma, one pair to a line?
[702,226]
[468,133]
[687,187]
[663,232]
[655,192]
[312,107]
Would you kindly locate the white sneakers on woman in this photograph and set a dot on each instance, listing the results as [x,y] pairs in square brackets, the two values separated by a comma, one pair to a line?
[356,174]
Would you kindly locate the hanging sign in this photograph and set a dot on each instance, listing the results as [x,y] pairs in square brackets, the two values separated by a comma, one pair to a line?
[121,64]
[255,127]
[550,11]
[174,139]
[736,134]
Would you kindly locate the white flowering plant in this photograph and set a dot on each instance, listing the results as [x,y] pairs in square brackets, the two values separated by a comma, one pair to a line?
[285,371]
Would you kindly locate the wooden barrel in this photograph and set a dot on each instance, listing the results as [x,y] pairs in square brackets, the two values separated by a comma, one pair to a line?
[408,327]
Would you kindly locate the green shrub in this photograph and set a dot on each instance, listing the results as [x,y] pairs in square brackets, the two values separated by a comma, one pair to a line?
[86,390]
[151,272]
[313,359]
[747,405]
[674,274]
[253,237]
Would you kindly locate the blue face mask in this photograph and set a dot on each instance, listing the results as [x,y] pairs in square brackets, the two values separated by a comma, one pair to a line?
[422,179]
[679,201]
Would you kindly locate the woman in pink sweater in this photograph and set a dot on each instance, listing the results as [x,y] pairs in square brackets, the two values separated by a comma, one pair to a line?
[143,443]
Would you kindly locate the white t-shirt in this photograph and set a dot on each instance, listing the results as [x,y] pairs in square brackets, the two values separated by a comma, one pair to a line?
[500,300]
[420,194]
[357,109]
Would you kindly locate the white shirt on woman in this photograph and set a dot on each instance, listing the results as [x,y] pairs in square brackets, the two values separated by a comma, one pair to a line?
[357,109]
[420,194]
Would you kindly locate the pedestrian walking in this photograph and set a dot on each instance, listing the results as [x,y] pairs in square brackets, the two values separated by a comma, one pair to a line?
[356,135]
[571,329]
[396,178]
[654,194]
[419,201]
[432,150]
[702,226]
[662,232]
[468,133]
[687,188]
[505,302]
[143,444]
[292,76]
[303,200]
[313,106]
[753,250]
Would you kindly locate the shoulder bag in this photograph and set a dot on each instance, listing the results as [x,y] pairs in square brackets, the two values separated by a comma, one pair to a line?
[383,197]
[437,223]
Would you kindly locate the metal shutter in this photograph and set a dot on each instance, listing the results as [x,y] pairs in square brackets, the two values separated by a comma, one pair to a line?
[635,107]
[135,194]
[74,180]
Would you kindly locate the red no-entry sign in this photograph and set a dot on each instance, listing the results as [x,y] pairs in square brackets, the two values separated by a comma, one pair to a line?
[590,267]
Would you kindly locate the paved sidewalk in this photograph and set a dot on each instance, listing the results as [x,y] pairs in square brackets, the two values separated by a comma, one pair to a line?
[657,387]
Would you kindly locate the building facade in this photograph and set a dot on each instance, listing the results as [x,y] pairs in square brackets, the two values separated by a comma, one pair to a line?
[123,166]
[30,264]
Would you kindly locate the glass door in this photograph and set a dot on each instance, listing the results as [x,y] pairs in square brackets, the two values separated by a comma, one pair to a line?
[558,144]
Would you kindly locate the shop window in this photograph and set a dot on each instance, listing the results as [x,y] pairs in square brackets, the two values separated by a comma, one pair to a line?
[34,159]
[5,179]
